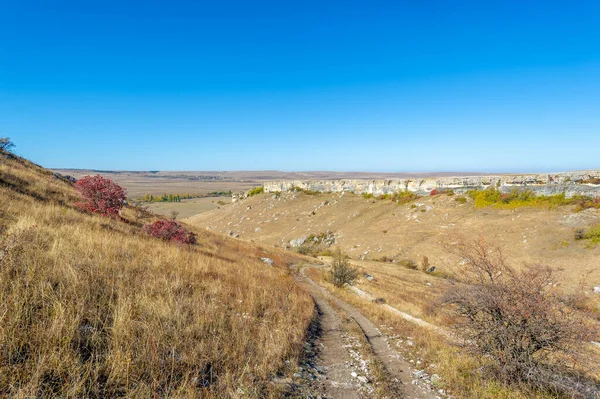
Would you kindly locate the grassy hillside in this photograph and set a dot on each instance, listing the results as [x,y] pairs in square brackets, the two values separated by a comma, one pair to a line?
[92,307]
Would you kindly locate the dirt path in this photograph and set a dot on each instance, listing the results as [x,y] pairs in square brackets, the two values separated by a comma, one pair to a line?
[334,358]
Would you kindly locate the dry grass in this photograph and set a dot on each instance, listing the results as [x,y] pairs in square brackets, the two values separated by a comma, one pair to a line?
[91,307]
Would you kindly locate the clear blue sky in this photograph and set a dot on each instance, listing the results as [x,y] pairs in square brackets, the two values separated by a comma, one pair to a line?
[302,85]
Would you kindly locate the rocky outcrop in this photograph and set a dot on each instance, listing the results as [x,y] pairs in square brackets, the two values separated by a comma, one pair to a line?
[571,183]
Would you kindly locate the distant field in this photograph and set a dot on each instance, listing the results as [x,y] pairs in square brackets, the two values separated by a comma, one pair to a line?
[141,183]
[204,182]
[187,208]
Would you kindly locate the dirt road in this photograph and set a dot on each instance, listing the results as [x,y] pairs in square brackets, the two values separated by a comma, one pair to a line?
[333,357]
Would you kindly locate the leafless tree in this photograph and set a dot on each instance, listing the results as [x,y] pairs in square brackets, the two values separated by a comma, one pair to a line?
[6,144]
[519,319]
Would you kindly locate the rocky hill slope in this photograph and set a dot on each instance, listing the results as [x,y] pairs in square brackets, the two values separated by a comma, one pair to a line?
[372,229]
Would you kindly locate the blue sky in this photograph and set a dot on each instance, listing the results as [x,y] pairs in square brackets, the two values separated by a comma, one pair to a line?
[302,85]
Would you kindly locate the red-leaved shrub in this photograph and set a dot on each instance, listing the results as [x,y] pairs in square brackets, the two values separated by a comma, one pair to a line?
[100,195]
[434,192]
[170,230]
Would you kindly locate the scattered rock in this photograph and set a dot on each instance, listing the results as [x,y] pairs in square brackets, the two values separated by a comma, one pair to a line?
[363,379]
[296,242]
[597,290]
[268,261]
[431,269]
[419,374]
[370,278]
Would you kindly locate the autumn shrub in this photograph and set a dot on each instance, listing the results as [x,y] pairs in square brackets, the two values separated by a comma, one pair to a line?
[170,230]
[434,192]
[341,271]
[100,195]
[585,202]
[404,197]
[519,320]
[518,198]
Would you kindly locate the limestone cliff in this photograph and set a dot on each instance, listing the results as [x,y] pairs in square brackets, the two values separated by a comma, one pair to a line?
[571,183]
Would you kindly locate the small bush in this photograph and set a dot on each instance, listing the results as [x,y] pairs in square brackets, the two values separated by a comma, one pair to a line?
[593,235]
[100,195]
[583,202]
[517,319]
[434,192]
[404,197]
[460,200]
[170,230]
[341,271]
[579,234]
[408,263]
[256,191]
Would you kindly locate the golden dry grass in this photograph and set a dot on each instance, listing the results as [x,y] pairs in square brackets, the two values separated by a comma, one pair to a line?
[92,307]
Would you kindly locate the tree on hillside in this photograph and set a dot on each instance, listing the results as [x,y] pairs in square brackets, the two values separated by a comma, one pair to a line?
[100,195]
[6,144]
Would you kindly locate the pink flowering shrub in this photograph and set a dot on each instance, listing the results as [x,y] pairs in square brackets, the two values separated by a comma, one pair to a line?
[100,195]
[170,230]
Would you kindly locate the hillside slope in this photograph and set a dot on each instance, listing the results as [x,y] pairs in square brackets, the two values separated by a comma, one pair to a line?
[374,229]
[93,307]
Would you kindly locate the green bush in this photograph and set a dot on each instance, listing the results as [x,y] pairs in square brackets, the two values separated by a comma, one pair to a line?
[460,200]
[341,271]
[255,191]
[593,235]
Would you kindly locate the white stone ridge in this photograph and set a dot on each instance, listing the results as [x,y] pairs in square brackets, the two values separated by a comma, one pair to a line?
[571,183]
